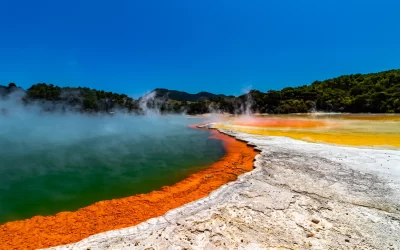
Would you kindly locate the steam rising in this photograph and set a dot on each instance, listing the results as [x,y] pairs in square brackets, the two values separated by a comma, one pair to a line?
[57,156]
[249,102]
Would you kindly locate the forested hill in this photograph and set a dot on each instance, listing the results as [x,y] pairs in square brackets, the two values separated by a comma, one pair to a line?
[375,93]
[51,98]
[357,93]
[185,97]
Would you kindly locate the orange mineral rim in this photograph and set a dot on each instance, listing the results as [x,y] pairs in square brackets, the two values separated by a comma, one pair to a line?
[69,227]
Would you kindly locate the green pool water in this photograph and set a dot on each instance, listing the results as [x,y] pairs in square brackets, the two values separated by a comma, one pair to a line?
[54,164]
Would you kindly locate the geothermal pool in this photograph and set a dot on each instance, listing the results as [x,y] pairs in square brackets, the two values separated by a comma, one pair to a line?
[54,163]
[381,131]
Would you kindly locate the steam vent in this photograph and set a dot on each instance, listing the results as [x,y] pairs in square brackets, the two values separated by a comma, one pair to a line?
[199,125]
[321,181]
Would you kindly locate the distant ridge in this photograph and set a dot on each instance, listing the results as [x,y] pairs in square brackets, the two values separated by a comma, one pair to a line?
[184,96]
[355,93]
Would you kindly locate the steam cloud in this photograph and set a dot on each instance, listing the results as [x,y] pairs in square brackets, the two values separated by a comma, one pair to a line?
[71,147]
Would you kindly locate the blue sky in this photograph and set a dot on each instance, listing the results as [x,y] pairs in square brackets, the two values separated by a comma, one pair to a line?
[219,46]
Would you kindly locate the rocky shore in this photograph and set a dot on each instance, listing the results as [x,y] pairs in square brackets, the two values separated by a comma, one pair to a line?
[299,196]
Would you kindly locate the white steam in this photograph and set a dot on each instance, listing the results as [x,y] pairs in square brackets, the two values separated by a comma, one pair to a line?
[246,107]
[70,147]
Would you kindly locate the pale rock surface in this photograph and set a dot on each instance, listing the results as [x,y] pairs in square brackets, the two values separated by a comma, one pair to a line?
[299,196]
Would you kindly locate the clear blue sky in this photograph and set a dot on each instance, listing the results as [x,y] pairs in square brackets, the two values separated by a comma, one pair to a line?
[221,46]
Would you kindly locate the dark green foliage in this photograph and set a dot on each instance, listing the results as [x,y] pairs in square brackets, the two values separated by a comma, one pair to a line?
[42,91]
[197,108]
[183,96]
[358,93]
[374,93]
[11,85]
[79,99]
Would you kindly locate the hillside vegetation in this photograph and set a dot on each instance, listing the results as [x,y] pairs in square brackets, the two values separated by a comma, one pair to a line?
[357,93]
[185,97]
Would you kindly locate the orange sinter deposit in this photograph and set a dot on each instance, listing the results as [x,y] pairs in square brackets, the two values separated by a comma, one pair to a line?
[69,227]
[279,122]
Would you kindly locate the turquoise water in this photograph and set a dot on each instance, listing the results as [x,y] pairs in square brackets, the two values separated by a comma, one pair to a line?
[59,163]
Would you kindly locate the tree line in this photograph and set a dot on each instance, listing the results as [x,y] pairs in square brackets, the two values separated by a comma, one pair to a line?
[356,93]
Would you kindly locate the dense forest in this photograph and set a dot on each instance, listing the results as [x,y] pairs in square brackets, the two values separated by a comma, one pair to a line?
[357,93]
[183,96]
